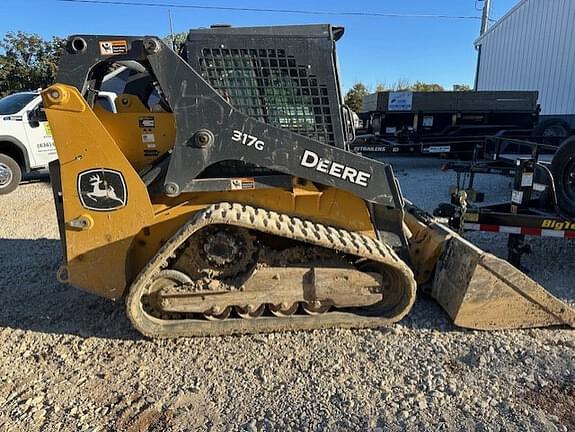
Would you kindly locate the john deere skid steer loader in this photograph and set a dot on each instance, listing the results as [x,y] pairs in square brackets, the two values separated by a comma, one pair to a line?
[221,197]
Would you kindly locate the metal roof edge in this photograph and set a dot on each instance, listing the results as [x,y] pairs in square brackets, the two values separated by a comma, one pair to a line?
[498,23]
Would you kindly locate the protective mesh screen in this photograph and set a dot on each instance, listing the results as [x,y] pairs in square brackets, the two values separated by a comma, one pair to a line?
[270,86]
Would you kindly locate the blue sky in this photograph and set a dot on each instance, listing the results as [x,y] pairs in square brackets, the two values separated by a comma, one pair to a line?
[373,49]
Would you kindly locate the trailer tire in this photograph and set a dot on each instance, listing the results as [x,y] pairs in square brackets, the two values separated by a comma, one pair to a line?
[563,170]
[10,174]
[553,128]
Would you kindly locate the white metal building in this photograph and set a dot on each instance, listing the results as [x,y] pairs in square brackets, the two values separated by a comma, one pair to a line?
[533,48]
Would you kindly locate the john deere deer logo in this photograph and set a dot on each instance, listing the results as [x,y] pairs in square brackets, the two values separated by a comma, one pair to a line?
[99,192]
[102,189]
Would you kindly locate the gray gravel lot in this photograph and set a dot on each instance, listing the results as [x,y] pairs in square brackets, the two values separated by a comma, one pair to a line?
[70,360]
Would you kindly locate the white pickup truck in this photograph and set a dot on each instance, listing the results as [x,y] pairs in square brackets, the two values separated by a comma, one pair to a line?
[26,142]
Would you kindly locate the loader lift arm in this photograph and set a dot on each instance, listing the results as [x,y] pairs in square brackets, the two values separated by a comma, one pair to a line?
[209,130]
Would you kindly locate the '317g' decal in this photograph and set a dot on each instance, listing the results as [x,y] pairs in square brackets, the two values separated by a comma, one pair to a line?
[247,140]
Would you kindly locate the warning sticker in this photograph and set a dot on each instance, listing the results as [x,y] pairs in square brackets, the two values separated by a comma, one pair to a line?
[151,153]
[148,138]
[243,183]
[527,179]
[116,47]
[471,217]
[147,122]
[427,121]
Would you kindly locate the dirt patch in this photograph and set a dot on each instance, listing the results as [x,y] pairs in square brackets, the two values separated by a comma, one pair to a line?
[557,400]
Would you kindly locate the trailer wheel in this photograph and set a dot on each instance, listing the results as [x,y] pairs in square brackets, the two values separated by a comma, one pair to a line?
[553,128]
[10,174]
[563,169]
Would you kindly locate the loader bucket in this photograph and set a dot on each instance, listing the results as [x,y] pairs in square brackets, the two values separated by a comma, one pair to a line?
[477,289]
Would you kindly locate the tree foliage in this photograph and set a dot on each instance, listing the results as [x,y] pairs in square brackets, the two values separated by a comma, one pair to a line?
[420,86]
[381,87]
[405,85]
[401,85]
[28,62]
[354,97]
[177,39]
[461,87]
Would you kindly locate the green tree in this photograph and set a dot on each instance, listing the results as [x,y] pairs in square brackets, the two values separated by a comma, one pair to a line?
[354,97]
[420,86]
[177,38]
[401,84]
[381,87]
[461,87]
[28,62]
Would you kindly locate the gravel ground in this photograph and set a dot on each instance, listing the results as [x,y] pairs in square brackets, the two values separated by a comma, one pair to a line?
[70,361]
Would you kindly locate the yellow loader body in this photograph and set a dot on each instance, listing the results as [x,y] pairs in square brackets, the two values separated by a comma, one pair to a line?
[222,198]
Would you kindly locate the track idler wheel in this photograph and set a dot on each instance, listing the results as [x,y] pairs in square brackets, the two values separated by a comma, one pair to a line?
[250,311]
[218,314]
[316,308]
[284,309]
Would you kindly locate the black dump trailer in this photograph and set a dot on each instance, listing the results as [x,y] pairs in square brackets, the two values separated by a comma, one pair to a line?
[446,122]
